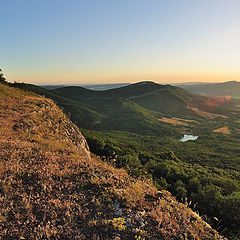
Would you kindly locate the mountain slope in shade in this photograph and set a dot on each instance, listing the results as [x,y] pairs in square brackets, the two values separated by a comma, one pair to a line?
[231,88]
[158,100]
[51,188]
[149,95]
[135,108]
[104,110]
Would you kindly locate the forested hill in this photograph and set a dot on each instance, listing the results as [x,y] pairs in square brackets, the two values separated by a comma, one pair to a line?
[51,188]
[149,95]
[134,108]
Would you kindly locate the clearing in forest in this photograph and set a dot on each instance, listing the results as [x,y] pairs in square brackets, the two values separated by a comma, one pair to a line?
[206,114]
[222,130]
[176,121]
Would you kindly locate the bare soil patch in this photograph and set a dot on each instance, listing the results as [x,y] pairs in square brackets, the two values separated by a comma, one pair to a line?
[222,130]
[206,114]
[174,121]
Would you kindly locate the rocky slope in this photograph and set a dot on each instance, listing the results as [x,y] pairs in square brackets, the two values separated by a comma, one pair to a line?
[52,188]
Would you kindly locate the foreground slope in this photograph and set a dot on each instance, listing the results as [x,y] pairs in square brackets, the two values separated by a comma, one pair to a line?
[51,188]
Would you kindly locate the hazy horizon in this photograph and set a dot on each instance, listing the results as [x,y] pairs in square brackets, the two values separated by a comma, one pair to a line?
[97,42]
[127,83]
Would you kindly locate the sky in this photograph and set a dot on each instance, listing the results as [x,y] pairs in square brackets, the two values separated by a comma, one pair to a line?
[114,41]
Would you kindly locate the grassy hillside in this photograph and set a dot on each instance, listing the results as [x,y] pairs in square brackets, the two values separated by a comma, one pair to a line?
[51,188]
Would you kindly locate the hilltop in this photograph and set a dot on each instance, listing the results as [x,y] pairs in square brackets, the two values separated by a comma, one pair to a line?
[52,188]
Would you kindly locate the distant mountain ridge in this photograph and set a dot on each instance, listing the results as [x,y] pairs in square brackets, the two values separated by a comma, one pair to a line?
[230,88]
[95,87]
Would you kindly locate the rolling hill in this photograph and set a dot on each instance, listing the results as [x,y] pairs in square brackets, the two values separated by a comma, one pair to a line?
[111,109]
[149,95]
[136,108]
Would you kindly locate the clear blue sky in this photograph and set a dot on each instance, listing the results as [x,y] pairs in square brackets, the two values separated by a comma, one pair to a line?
[93,41]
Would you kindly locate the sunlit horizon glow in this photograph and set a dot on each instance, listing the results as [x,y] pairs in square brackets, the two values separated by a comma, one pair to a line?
[87,42]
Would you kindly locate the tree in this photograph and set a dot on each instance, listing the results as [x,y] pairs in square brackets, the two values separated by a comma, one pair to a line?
[2,78]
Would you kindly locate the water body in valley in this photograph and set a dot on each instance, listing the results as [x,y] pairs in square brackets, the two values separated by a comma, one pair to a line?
[187,137]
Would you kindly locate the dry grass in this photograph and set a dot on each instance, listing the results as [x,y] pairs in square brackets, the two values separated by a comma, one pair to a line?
[222,130]
[186,120]
[50,187]
[177,121]
[174,121]
[206,114]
